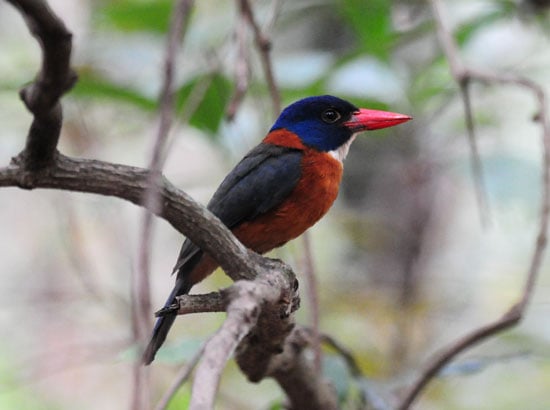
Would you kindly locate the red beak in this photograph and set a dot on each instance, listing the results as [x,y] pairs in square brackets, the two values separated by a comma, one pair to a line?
[365,119]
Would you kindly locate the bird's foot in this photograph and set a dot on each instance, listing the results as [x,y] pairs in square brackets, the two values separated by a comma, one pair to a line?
[168,310]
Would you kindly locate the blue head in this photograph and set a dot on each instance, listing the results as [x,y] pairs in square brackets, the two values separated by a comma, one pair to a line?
[326,122]
[318,121]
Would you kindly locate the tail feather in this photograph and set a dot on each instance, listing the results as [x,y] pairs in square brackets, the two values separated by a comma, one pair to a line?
[164,323]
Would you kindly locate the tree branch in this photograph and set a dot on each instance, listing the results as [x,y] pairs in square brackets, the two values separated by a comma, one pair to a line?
[304,387]
[249,303]
[312,290]
[180,380]
[459,73]
[55,77]
[130,183]
[264,47]
[209,302]
[242,68]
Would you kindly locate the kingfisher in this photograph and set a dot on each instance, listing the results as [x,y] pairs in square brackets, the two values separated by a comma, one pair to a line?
[280,188]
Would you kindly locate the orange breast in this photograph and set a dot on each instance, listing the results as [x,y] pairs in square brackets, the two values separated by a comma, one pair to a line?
[308,202]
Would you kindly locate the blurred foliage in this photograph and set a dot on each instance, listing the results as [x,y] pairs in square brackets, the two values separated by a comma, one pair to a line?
[96,87]
[500,10]
[371,23]
[206,97]
[372,31]
[183,351]
[14,395]
[134,16]
[181,399]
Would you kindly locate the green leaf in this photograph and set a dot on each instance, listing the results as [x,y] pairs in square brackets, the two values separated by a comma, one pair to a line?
[136,15]
[204,98]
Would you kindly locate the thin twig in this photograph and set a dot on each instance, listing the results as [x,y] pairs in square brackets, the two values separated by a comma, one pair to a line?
[276,6]
[475,159]
[516,312]
[544,120]
[242,69]
[202,303]
[152,196]
[264,47]
[141,293]
[351,363]
[242,64]
[180,379]
[308,270]
[459,73]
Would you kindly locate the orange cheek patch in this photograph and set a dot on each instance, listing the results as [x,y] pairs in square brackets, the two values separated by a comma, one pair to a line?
[284,138]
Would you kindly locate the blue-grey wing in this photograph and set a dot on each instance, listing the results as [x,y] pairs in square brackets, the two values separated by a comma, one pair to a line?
[258,183]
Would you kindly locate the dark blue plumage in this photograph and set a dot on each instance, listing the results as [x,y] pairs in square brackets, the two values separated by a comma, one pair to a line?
[272,170]
[306,119]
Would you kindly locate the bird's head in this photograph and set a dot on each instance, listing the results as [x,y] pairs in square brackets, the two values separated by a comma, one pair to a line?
[330,124]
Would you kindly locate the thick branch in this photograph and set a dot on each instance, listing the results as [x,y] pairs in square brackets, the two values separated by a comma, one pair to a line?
[275,348]
[247,302]
[130,183]
[302,383]
[260,330]
[274,324]
[54,78]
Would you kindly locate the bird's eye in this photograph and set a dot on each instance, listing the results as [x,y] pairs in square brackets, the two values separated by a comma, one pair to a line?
[330,116]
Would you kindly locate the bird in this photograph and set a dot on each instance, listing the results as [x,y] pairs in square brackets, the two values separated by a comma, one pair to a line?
[279,189]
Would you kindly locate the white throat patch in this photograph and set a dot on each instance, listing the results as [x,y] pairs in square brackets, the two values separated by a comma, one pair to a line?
[341,152]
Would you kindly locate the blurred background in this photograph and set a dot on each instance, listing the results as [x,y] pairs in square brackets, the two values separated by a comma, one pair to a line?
[406,261]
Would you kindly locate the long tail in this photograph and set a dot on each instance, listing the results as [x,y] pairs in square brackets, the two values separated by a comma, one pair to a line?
[164,323]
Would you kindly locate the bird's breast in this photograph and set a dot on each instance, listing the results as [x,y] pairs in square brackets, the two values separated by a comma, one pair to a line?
[311,198]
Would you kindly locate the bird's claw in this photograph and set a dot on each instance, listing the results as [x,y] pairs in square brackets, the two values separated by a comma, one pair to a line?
[167,310]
